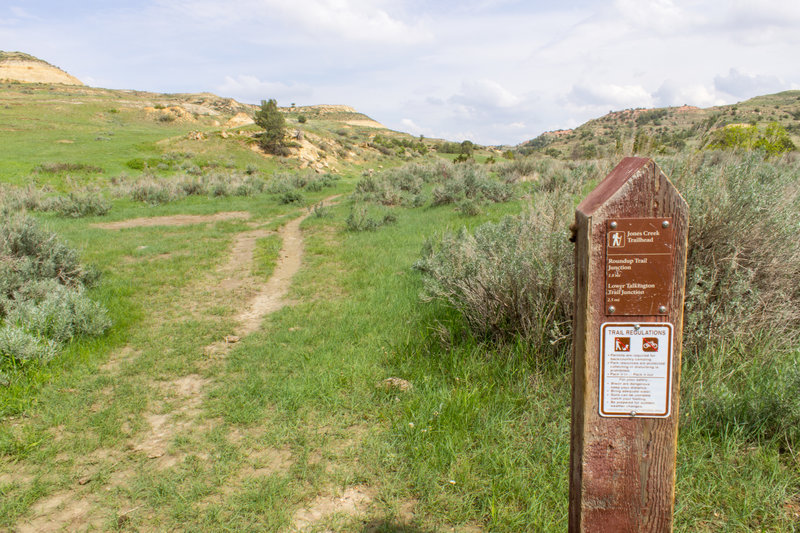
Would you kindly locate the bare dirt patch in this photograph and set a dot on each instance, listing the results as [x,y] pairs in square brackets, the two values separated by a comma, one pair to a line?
[268,461]
[187,392]
[240,259]
[9,477]
[366,124]
[238,120]
[118,358]
[62,511]
[352,502]
[173,220]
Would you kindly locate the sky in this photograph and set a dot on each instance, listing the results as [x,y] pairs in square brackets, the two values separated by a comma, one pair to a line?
[491,71]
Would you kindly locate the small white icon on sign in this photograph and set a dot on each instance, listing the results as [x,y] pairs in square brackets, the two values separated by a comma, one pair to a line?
[617,239]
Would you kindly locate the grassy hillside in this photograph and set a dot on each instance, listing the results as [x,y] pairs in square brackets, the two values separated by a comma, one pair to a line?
[107,130]
[665,130]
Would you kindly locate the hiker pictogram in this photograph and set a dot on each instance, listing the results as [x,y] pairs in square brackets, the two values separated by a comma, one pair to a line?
[622,344]
[617,239]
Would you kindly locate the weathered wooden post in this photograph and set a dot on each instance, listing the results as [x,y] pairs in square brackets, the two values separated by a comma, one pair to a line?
[630,263]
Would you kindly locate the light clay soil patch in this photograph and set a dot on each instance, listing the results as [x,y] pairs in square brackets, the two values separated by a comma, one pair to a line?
[352,502]
[173,220]
[187,392]
[62,511]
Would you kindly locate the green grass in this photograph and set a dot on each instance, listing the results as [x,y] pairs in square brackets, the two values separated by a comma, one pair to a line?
[481,439]
[266,255]
[294,413]
[39,124]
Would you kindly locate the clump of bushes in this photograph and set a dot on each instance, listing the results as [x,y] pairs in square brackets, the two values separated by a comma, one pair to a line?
[153,192]
[509,279]
[744,254]
[283,182]
[14,199]
[290,197]
[452,184]
[74,205]
[391,188]
[77,205]
[513,279]
[471,182]
[43,300]
[773,140]
[60,168]
[361,218]
[160,191]
[55,312]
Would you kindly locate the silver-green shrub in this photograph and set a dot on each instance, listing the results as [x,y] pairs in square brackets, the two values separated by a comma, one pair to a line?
[743,271]
[77,205]
[18,347]
[509,279]
[59,314]
[42,294]
[29,253]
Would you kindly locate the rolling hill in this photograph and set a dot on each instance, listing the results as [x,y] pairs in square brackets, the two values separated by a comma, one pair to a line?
[667,129]
[49,117]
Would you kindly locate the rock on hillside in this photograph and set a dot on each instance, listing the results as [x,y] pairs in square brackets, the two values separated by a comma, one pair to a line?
[17,66]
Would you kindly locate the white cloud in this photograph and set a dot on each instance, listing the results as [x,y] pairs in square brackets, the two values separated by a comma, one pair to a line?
[663,16]
[21,13]
[743,85]
[412,127]
[15,15]
[344,20]
[607,95]
[675,94]
[353,20]
[251,89]
[482,94]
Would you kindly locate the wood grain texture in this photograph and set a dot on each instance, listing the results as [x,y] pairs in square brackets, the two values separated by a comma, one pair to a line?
[622,474]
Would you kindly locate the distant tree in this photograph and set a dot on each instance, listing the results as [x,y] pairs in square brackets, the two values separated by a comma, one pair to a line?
[467,148]
[271,119]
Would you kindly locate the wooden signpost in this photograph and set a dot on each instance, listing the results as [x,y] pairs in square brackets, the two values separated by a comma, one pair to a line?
[630,262]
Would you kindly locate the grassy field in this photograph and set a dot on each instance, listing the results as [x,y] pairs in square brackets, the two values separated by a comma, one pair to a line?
[183,417]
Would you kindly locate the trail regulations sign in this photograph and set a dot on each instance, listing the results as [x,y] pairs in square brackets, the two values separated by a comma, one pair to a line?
[636,369]
[630,238]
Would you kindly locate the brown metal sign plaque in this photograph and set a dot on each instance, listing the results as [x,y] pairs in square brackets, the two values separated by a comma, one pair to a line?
[639,265]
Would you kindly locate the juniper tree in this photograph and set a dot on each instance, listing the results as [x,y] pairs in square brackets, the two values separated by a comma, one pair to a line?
[269,118]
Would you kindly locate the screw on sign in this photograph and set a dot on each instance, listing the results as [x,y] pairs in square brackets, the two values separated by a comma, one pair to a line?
[630,260]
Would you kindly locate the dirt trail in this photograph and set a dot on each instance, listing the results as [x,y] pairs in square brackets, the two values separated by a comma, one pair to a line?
[173,220]
[272,295]
[77,510]
[237,279]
